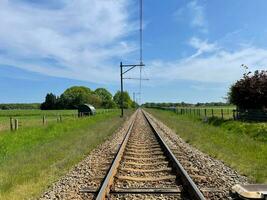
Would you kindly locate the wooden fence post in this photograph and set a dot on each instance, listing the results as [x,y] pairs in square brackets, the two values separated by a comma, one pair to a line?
[205,112]
[212,112]
[16,124]
[43,119]
[234,117]
[11,124]
[222,113]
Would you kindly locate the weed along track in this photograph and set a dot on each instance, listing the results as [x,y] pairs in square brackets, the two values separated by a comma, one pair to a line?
[145,168]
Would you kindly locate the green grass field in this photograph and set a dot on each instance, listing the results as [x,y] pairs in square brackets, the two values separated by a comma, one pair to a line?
[13,113]
[34,157]
[240,145]
[31,118]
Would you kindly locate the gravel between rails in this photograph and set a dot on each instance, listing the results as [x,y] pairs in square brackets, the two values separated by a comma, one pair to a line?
[89,172]
[141,140]
[212,176]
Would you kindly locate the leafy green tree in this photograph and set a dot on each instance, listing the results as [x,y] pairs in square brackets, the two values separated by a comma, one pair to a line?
[127,102]
[134,104]
[106,98]
[77,95]
[104,94]
[250,92]
[51,102]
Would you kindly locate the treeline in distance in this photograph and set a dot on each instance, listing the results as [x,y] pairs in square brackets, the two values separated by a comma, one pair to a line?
[74,96]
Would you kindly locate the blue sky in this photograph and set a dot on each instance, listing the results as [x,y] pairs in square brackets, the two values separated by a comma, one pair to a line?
[193,49]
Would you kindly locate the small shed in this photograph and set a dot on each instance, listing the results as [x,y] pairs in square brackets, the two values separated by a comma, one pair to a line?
[86,110]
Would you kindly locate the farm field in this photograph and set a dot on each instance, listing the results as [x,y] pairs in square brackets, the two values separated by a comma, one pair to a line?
[34,157]
[30,118]
[240,145]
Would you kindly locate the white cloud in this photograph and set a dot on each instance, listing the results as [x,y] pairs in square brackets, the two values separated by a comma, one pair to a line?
[202,46]
[82,36]
[194,13]
[218,67]
[198,15]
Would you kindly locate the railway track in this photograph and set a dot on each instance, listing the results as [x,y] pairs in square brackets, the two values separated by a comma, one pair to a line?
[145,168]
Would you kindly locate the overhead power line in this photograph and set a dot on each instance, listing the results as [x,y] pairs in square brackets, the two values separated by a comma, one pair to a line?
[132,66]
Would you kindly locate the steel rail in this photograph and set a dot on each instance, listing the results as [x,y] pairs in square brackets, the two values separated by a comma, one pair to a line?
[188,183]
[105,187]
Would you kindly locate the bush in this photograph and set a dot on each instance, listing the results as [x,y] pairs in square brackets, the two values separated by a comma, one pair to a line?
[250,92]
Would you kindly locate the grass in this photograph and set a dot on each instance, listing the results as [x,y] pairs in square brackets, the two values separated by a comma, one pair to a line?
[240,145]
[33,158]
[31,118]
[216,110]
[12,113]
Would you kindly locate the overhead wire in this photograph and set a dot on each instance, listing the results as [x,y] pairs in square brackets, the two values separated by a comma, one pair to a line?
[141,50]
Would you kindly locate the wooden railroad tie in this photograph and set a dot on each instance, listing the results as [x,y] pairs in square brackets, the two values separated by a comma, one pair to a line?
[146,190]
[129,178]
[166,169]
[147,164]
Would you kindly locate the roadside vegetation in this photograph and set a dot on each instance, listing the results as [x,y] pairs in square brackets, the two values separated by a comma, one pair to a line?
[241,145]
[33,158]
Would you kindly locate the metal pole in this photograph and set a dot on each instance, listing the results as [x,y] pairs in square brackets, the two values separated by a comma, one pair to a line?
[121,91]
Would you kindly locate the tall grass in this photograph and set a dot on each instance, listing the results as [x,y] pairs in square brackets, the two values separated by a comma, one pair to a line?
[241,145]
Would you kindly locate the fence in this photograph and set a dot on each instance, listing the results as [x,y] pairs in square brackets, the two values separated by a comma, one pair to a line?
[17,122]
[223,113]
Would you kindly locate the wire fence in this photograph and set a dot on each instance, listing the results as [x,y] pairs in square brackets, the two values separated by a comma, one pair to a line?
[222,113]
[13,123]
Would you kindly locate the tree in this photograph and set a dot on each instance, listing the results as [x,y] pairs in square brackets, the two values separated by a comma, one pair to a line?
[127,102]
[51,102]
[103,94]
[75,96]
[250,92]
[106,98]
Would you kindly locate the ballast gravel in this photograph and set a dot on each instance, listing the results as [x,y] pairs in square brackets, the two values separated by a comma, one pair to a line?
[88,173]
[212,176]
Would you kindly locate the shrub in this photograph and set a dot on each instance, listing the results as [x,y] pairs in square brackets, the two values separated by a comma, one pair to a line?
[250,92]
